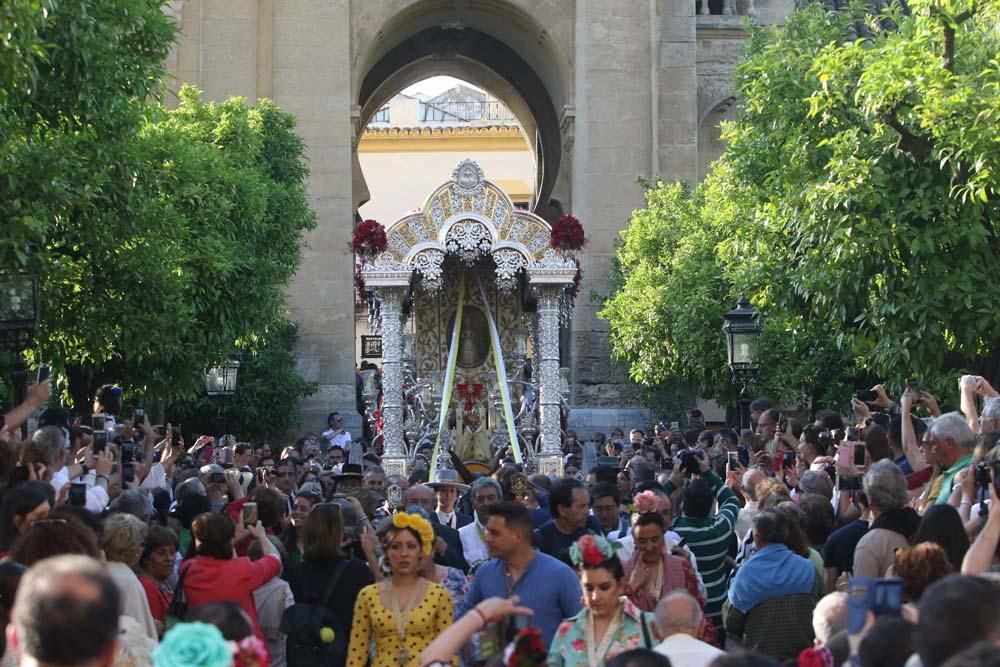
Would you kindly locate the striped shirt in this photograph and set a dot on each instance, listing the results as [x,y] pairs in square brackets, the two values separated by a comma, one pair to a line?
[709,540]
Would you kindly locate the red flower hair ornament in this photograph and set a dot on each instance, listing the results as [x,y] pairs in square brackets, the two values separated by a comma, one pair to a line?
[527,649]
[591,551]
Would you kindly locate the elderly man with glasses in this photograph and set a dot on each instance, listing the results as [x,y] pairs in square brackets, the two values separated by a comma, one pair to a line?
[950,442]
[486,491]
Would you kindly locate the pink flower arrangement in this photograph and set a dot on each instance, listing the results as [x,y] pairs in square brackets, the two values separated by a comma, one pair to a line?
[648,502]
[250,652]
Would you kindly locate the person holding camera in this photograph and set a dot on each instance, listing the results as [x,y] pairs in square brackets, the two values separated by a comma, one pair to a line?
[44,457]
[707,537]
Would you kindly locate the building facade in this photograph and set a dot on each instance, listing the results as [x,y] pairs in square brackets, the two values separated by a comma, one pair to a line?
[605,91]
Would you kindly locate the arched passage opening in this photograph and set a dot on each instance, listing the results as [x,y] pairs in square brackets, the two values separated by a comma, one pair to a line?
[496,46]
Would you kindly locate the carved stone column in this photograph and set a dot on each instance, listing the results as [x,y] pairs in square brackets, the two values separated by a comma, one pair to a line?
[394,457]
[550,454]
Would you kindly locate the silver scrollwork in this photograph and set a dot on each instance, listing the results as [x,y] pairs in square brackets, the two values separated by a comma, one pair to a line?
[392,371]
[509,263]
[548,367]
[468,239]
[468,177]
[428,263]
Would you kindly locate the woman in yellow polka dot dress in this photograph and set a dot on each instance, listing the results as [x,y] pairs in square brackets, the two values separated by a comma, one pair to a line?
[404,612]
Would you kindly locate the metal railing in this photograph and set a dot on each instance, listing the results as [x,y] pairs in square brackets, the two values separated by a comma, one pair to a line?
[465,112]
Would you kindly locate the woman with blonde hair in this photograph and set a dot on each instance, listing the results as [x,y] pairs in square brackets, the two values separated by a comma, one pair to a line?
[403,613]
[122,541]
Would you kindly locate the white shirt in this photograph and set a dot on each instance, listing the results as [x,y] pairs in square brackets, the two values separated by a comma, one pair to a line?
[744,519]
[341,438]
[97,496]
[472,544]
[447,519]
[135,604]
[686,650]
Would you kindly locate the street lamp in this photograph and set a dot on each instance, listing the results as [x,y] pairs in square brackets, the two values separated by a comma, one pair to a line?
[220,383]
[19,315]
[742,329]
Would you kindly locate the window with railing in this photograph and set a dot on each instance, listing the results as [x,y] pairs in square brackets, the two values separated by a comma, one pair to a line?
[465,111]
[382,115]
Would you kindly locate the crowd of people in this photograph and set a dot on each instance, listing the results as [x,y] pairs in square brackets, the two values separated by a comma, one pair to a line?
[864,539]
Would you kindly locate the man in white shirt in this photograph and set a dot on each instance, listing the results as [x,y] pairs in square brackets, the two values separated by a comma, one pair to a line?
[486,491]
[337,434]
[678,618]
[751,478]
[49,447]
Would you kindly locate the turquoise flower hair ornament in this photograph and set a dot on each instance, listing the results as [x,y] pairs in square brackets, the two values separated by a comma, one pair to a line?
[591,550]
[193,645]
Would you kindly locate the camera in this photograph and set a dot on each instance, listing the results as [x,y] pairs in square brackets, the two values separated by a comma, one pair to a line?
[689,460]
[866,395]
[130,452]
[850,483]
[983,478]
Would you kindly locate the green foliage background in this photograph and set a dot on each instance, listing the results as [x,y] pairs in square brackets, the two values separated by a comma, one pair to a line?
[164,238]
[855,205]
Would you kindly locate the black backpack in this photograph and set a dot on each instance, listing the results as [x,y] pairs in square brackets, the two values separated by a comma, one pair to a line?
[302,622]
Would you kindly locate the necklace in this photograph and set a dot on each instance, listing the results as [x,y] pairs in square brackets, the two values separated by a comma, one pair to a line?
[595,656]
[402,619]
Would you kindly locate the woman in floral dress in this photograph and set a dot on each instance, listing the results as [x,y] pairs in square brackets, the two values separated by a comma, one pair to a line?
[609,623]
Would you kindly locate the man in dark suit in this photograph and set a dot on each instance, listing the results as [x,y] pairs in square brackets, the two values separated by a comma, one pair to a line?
[448,545]
[447,489]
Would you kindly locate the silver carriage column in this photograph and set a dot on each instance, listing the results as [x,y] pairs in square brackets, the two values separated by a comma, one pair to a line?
[550,279]
[390,285]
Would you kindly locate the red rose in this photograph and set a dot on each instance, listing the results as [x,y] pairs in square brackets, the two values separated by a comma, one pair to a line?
[567,234]
[369,238]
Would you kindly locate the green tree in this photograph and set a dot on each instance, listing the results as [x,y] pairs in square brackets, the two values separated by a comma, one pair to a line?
[854,204]
[268,390]
[164,238]
[194,260]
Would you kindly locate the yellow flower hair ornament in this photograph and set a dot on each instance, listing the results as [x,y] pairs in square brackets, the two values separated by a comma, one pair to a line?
[420,526]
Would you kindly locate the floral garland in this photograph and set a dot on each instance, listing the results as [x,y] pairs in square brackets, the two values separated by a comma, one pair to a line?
[369,239]
[591,551]
[567,234]
[527,649]
[418,524]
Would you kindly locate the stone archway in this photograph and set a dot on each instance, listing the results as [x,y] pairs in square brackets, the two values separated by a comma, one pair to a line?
[499,45]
